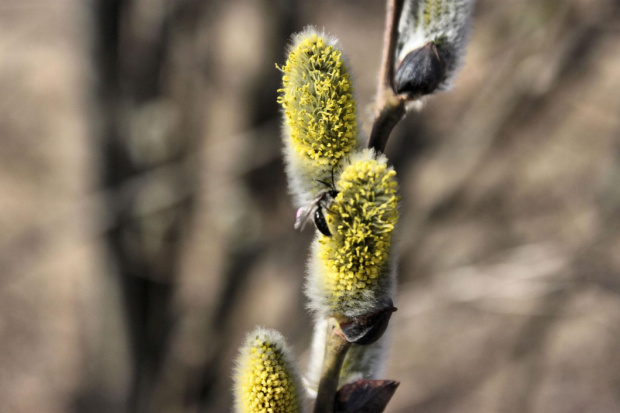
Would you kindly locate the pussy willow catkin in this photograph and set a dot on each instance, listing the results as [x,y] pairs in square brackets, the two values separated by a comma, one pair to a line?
[446,23]
[350,272]
[266,379]
[320,123]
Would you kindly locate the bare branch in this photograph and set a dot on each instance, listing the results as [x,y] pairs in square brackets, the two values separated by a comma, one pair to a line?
[390,108]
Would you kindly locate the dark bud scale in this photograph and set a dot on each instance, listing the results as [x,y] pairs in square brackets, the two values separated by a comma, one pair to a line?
[420,72]
[369,328]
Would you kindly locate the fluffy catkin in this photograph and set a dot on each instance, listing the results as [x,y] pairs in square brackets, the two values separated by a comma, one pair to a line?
[320,122]
[266,379]
[447,23]
[351,272]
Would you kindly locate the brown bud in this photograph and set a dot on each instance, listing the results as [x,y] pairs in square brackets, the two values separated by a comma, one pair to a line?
[365,396]
[368,328]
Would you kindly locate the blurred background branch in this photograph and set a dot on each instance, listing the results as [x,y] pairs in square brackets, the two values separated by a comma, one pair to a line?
[144,217]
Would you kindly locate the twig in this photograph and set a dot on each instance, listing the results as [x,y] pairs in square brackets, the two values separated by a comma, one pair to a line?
[390,108]
[335,351]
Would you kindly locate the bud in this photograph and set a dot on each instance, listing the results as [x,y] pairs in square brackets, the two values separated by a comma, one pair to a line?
[320,123]
[432,37]
[367,328]
[350,271]
[365,396]
[266,379]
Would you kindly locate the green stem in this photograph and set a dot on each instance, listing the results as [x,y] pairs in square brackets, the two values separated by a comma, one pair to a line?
[335,351]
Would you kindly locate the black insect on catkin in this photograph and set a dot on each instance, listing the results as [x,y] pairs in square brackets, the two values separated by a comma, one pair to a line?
[321,224]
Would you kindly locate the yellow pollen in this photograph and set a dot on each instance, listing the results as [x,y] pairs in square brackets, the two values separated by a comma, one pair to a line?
[318,102]
[363,216]
[266,382]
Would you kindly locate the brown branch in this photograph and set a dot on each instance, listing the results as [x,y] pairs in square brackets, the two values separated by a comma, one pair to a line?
[390,108]
[394,9]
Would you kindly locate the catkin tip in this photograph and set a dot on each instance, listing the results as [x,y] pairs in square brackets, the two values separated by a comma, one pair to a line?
[266,379]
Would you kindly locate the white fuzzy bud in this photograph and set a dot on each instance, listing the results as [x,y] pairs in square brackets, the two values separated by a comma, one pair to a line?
[432,38]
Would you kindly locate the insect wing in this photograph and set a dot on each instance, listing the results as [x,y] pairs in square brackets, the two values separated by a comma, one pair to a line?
[303,216]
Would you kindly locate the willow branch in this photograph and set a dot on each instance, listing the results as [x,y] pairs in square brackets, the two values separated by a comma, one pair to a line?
[390,108]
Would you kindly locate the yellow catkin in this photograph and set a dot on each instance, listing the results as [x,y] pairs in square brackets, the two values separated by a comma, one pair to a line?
[427,12]
[362,219]
[319,110]
[265,380]
[433,10]
[318,101]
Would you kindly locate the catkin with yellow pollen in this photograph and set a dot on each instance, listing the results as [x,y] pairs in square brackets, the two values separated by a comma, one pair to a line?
[266,379]
[320,122]
[350,271]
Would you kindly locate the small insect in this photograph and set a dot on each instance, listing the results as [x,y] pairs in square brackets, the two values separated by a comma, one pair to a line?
[315,209]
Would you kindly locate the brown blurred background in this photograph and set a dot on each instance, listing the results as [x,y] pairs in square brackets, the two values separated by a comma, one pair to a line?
[145,225]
